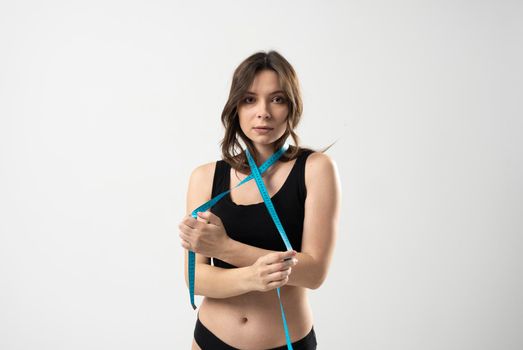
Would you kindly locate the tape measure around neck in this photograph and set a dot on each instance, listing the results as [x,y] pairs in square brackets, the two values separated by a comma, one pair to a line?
[256,175]
[213,201]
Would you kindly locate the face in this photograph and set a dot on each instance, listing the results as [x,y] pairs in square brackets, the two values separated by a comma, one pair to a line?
[264,105]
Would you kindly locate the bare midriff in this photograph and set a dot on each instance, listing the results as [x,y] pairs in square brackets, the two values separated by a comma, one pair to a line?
[253,320]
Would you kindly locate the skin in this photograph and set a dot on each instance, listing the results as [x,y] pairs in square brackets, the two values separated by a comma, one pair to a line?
[240,302]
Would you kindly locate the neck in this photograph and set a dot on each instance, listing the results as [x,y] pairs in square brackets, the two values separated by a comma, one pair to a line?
[264,153]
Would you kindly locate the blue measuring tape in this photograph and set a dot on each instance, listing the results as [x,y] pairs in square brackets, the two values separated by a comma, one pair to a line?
[256,174]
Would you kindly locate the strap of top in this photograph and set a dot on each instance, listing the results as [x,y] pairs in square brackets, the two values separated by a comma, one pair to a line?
[220,177]
[302,189]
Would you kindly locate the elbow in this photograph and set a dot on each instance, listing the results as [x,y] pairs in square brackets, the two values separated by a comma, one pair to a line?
[316,285]
[187,283]
[199,267]
[318,281]
[186,275]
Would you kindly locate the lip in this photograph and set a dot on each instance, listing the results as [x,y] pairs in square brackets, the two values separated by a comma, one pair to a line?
[262,130]
[262,127]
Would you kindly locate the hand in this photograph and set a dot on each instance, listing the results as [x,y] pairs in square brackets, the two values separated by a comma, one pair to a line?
[204,235]
[271,271]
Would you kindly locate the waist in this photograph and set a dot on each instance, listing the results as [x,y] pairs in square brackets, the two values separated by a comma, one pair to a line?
[254,319]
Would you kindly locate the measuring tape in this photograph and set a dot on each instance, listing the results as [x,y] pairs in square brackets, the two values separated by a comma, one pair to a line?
[256,174]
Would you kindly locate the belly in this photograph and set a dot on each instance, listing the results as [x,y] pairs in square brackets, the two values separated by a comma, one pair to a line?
[253,320]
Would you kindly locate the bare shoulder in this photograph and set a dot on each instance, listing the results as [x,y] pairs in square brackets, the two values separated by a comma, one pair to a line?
[203,173]
[200,185]
[320,166]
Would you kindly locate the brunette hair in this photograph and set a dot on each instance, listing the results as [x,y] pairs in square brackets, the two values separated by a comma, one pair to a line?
[244,74]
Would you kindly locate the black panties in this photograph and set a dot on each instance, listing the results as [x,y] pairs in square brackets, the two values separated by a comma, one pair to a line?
[208,341]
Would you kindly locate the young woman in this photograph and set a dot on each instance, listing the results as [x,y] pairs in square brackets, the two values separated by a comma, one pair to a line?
[240,309]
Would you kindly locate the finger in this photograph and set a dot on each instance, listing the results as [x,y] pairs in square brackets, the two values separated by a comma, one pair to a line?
[207,216]
[196,225]
[279,266]
[199,223]
[279,256]
[189,241]
[201,220]
[185,244]
[292,253]
[185,228]
[190,221]
[278,275]
[184,236]
[277,284]
[291,262]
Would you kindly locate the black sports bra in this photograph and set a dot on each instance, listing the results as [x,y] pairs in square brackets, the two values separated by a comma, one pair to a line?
[252,224]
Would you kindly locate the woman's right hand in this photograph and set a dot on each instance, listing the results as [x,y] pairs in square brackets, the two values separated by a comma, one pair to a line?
[271,271]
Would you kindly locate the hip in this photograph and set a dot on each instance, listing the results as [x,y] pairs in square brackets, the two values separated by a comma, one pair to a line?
[254,320]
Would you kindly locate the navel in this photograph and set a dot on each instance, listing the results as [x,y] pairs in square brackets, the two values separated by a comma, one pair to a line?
[244,320]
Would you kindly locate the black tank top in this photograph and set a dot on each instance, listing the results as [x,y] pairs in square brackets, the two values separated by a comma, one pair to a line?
[252,224]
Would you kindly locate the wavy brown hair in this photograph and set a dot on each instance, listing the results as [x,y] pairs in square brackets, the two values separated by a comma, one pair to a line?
[244,74]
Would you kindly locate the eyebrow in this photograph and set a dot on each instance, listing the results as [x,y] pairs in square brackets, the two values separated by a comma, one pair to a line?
[272,93]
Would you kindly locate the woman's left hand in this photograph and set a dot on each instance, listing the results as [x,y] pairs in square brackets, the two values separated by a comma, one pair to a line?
[204,236]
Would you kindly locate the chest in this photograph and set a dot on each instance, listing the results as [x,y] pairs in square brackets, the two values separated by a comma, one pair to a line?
[249,194]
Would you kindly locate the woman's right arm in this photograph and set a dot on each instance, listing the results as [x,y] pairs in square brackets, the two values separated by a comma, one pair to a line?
[267,273]
[211,281]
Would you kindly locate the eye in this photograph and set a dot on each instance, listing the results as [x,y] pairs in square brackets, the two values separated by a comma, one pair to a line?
[277,99]
[281,99]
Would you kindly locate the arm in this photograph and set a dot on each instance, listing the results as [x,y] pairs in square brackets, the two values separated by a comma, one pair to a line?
[319,227]
[211,281]
[215,282]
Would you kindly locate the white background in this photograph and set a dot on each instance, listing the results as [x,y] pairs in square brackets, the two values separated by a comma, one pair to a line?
[107,106]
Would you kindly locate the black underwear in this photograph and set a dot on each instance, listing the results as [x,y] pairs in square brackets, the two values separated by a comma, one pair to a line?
[208,341]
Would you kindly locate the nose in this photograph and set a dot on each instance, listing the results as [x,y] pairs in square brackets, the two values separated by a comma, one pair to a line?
[263,111]
[264,116]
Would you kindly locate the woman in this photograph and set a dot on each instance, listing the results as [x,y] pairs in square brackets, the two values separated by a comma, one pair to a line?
[240,309]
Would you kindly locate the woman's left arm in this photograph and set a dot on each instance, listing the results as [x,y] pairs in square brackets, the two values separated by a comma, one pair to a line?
[320,223]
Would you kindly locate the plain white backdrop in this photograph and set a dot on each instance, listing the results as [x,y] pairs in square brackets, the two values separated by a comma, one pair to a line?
[107,106]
